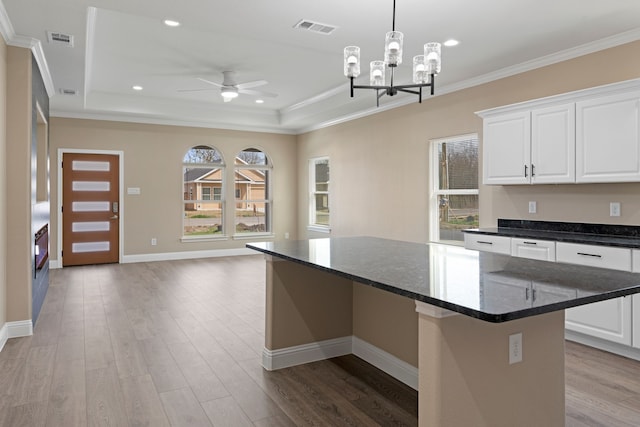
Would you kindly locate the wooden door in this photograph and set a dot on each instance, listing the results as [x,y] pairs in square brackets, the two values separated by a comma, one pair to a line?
[90,209]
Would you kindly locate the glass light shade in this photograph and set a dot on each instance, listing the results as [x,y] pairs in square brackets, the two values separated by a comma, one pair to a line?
[393,48]
[420,74]
[433,57]
[376,76]
[229,92]
[352,61]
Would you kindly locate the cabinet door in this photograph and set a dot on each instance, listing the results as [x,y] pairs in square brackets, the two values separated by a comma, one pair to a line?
[635,304]
[543,250]
[544,293]
[506,149]
[553,142]
[505,292]
[609,320]
[608,139]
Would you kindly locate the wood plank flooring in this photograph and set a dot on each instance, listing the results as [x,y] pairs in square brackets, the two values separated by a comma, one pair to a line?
[179,344]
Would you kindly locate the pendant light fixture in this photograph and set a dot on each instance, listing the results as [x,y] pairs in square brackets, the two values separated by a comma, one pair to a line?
[425,67]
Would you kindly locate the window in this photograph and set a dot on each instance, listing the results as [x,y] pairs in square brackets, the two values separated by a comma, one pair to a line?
[253,192]
[454,190]
[203,173]
[319,193]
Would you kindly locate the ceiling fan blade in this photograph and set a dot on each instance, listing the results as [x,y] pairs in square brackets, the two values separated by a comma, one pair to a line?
[209,82]
[257,93]
[195,90]
[248,85]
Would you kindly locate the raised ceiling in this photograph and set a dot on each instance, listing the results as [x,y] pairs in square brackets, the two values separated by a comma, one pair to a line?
[122,43]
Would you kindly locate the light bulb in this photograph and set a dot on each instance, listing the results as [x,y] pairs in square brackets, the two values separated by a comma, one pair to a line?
[352,60]
[394,46]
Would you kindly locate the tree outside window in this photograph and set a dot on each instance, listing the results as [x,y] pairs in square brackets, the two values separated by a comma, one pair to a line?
[252,192]
[454,190]
[203,174]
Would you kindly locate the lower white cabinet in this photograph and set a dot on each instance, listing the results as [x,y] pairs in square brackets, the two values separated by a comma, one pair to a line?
[594,256]
[488,243]
[543,250]
[609,320]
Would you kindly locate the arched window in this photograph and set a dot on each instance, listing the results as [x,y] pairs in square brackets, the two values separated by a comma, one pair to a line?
[203,192]
[253,192]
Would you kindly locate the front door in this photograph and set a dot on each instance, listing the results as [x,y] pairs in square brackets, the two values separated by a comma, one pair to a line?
[90,209]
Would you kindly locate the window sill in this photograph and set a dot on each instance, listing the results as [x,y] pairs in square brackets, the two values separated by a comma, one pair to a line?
[319,228]
[449,242]
[253,236]
[198,239]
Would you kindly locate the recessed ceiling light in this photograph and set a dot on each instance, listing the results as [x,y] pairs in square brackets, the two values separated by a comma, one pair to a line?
[137,87]
[451,42]
[171,23]
[259,101]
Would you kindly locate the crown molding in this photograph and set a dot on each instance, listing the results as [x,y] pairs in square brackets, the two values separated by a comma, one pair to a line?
[13,39]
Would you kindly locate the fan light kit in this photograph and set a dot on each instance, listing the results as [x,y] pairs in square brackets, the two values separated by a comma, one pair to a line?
[425,67]
[230,89]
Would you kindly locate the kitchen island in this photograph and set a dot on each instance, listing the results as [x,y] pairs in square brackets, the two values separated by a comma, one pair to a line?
[469,324]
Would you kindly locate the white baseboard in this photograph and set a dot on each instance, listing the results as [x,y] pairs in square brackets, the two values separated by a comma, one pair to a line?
[54,264]
[306,353]
[611,347]
[386,362]
[22,328]
[171,256]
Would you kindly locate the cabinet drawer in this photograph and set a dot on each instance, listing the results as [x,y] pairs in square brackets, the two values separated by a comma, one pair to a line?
[543,250]
[594,256]
[483,242]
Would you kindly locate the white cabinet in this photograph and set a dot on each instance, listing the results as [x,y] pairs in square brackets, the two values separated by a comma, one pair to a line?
[534,146]
[608,138]
[487,243]
[543,250]
[553,144]
[506,149]
[610,319]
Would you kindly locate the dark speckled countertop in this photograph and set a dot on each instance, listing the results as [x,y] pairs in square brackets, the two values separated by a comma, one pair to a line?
[483,285]
[627,236]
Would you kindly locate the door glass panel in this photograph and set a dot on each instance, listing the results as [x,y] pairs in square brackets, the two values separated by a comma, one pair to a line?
[90,247]
[79,227]
[91,186]
[83,165]
[91,206]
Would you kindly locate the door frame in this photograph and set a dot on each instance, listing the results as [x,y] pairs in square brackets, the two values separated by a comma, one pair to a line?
[61,152]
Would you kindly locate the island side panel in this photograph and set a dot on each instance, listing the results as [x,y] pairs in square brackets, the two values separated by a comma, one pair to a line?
[305,305]
[466,378]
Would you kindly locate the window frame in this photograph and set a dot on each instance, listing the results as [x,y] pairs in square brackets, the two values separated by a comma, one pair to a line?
[267,201]
[435,192]
[204,165]
[313,192]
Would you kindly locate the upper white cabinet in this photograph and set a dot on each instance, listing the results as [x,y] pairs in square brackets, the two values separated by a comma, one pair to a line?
[553,144]
[530,147]
[506,149]
[608,139]
[592,135]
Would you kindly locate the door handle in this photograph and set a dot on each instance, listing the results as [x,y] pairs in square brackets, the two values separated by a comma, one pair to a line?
[114,217]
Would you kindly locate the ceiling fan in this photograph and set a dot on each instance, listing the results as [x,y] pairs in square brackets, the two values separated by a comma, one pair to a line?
[229,89]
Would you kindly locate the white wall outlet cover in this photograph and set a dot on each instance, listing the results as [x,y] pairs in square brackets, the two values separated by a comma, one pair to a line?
[533,207]
[515,348]
[614,209]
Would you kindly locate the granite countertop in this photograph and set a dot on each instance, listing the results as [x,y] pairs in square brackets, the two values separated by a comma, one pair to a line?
[487,286]
[591,234]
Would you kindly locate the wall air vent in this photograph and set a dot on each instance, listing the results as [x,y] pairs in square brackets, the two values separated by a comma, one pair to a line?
[70,92]
[60,38]
[316,27]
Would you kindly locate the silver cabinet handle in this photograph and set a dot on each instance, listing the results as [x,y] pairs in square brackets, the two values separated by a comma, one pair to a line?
[530,243]
[484,242]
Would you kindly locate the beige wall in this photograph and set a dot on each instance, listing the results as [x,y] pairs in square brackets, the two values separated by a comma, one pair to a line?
[153,162]
[19,244]
[387,153]
[3,183]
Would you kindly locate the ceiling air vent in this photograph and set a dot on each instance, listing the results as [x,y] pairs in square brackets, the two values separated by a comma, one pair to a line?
[60,38]
[70,92]
[316,27]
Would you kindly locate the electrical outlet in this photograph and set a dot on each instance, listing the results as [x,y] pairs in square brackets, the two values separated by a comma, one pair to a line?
[515,348]
[614,209]
[532,207]
[286,235]
[154,241]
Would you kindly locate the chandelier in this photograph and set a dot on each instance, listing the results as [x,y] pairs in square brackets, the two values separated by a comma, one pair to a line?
[425,67]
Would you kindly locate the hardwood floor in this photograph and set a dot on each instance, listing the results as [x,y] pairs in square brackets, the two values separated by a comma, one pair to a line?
[179,344]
